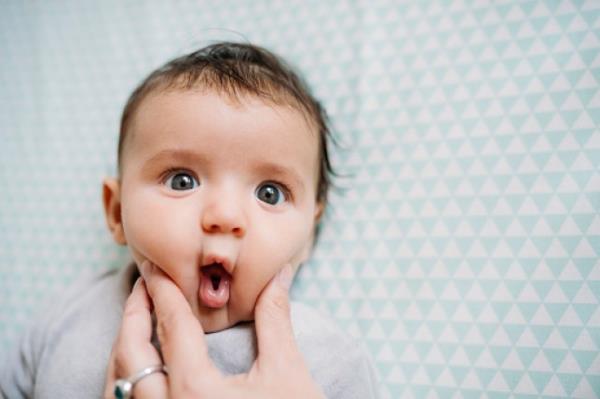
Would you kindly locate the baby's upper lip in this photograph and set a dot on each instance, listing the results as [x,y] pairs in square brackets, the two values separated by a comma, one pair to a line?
[210,259]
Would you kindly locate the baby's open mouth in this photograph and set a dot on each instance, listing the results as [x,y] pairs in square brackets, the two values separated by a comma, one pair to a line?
[214,285]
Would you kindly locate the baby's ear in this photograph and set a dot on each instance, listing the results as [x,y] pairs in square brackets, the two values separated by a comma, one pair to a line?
[111,198]
[319,209]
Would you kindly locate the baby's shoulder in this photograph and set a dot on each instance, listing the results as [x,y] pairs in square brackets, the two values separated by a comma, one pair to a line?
[339,362]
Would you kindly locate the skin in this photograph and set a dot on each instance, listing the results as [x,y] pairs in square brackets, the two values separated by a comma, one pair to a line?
[279,371]
[229,149]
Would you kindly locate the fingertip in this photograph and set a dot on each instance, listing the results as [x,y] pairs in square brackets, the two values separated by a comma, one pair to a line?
[144,268]
[285,276]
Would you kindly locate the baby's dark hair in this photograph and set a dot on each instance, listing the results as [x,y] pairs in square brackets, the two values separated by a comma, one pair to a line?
[236,69]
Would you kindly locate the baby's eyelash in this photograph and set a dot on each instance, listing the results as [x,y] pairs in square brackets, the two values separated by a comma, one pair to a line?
[171,171]
[284,187]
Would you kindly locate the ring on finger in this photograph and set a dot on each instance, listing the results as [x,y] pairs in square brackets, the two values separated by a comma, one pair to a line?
[124,386]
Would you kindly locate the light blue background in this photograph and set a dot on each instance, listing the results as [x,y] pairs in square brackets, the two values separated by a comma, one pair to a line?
[466,250]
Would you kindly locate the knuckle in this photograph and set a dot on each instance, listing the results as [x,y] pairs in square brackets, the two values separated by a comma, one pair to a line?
[275,306]
[188,387]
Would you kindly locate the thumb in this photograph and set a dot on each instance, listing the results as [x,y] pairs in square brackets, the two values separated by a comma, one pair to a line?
[276,342]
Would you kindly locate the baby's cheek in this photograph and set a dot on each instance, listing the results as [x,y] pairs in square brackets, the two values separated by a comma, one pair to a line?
[154,232]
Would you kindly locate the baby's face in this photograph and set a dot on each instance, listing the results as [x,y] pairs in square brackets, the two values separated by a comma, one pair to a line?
[220,195]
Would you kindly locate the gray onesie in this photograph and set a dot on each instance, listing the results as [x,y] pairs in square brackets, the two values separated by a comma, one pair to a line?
[66,353]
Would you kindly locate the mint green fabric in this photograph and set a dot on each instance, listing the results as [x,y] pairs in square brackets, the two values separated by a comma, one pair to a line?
[465,248]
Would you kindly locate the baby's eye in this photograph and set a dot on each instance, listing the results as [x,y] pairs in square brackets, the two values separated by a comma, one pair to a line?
[271,193]
[181,181]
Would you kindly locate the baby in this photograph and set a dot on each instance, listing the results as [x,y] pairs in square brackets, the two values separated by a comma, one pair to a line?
[223,177]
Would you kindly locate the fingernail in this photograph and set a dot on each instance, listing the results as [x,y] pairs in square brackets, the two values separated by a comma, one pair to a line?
[285,276]
[144,268]
[137,282]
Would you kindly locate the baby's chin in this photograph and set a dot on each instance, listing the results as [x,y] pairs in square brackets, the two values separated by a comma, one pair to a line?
[215,320]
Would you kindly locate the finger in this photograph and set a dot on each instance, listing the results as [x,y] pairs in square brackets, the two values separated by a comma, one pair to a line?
[133,350]
[276,343]
[179,332]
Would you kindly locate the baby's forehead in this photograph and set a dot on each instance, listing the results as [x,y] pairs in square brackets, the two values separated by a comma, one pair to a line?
[160,105]
[237,100]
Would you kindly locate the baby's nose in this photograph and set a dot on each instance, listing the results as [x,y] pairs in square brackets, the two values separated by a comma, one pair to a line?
[224,214]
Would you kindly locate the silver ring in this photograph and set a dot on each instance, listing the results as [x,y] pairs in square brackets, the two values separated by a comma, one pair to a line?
[124,386]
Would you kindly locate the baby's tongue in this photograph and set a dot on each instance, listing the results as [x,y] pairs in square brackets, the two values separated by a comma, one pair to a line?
[214,286]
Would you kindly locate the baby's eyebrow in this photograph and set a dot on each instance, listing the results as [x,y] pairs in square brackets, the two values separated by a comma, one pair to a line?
[281,172]
[176,155]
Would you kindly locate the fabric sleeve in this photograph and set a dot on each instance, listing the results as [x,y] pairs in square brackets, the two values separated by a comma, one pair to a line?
[353,378]
[17,373]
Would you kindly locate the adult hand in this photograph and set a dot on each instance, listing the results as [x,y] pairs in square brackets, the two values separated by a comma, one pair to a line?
[279,370]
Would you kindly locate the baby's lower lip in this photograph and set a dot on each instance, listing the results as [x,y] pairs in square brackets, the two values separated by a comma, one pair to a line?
[215,283]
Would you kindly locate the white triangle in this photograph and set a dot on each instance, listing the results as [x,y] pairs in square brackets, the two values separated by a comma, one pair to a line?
[526,386]
[528,294]
[437,313]
[572,103]
[555,341]
[412,312]
[464,229]
[529,250]
[423,334]
[542,317]
[585,343]
[498,384]
[376,332]
[395,376]
[570,318]
[515,186]
[568,185]
[420,377]
[386,354]
[560,84]
[476,294]
[460,358]
[545,105]
[471,381]
[583,389]
[464,271]
[452,251]
[582,163]
[410,355]
[541,364]
[584,121]
[501,338]
[462,314]
[569,365]
[527,165]
[426,291]
[501,294]
[587,81]
[435,356]
[503,208]
[569,228]
[554,388]
[513,362]
[450,292]
[440,271]
[474,337]
[514,316]
[449,335]
[440,229]
[556,250]
[585,250]
[476,208]
[486,360]
[445,379]
[489,272]
[554,164]
[556,295]
[569,272]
